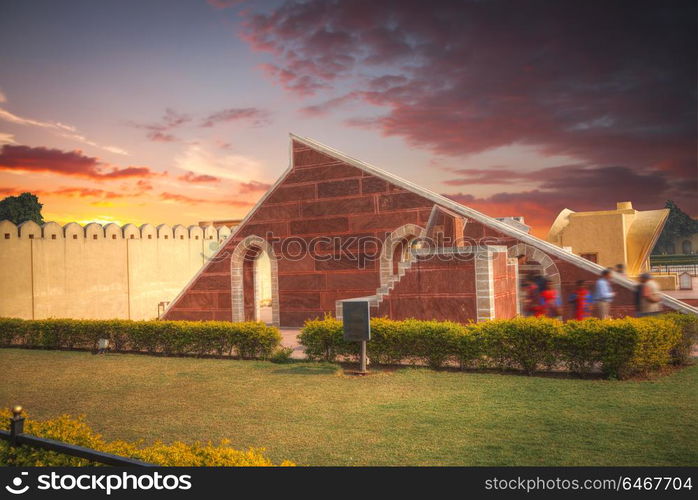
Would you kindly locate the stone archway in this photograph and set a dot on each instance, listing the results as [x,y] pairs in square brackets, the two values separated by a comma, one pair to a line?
[242,267]
[394,241]
[536,262]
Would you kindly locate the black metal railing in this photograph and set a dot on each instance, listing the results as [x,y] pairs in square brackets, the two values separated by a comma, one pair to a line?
[17,437]
[691,269]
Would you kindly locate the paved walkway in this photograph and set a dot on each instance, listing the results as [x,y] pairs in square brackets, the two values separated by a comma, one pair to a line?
[289,338]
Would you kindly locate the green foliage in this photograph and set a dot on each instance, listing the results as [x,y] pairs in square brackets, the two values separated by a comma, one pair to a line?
[581,345]
[12,329]
[21,208]
[678,224]
[248,340]
[430,342]
[523,343]
[281,355]
[620,348]
[323,339]
[75,431]
[688,326]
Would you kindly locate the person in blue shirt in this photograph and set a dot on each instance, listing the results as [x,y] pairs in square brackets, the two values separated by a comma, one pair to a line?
[603,294]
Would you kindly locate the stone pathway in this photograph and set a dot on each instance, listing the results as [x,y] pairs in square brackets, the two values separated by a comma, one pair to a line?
[289,338]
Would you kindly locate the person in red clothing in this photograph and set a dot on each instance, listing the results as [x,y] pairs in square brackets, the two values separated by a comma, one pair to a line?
[550,302]
[532,304]
[580,300]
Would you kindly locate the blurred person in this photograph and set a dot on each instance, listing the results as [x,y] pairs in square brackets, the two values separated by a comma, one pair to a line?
[603,294]
[549,300]
[580,300]
[650,301]
[639,288]
[531,301]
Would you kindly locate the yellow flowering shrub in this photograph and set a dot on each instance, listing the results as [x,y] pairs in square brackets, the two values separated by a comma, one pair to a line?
[76,431]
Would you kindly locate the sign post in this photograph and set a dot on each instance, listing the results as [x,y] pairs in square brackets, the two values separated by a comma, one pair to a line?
[356,317]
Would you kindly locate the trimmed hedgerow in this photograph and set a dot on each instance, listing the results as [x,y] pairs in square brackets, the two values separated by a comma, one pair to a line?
[522,343]
[75,431]
[619,348]
[581,346]
[430,342]
[323,339]
[245,340]
[688,326]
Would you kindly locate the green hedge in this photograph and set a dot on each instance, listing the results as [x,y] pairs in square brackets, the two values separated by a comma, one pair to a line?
[245,340]
[619,347]
[688,326]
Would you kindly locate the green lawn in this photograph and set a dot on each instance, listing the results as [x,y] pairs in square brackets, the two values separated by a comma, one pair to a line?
[313,414]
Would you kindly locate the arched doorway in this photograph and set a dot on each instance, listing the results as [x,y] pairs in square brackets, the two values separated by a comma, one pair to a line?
[687,247]
[534,262]
[262,287]
[254,282]
[398,248]
[403,250]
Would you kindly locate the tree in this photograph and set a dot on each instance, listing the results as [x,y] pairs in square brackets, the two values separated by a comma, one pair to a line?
[678,224]
[21,208]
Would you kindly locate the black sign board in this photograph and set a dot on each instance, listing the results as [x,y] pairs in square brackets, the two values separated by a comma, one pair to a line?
[357,320]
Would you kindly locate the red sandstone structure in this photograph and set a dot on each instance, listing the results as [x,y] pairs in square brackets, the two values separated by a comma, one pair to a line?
[336,228]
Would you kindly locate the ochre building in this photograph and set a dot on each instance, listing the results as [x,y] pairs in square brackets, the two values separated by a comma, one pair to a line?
[609,237]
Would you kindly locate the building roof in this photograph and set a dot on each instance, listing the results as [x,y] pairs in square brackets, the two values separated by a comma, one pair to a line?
[641,233]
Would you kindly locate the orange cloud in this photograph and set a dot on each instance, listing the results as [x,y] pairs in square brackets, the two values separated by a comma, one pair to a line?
[196,201]
[203,178]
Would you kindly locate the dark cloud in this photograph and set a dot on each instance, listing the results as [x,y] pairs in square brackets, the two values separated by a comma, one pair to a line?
[577,187]
[160,131]
[329,105]
[157,136]
[586,186]
[255,116]
[68,192]
[610,83]
[224,4]
[294,80]
[75,163]
[492,175]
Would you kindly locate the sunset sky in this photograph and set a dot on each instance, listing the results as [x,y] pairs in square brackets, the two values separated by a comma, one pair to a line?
[173,112]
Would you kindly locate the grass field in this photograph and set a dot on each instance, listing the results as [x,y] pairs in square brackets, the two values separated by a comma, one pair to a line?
[313,414]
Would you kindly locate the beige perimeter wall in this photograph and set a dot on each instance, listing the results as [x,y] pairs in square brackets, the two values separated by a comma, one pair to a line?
[97,272]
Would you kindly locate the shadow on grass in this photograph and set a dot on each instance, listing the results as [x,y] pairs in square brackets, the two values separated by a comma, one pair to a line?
[295,368]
